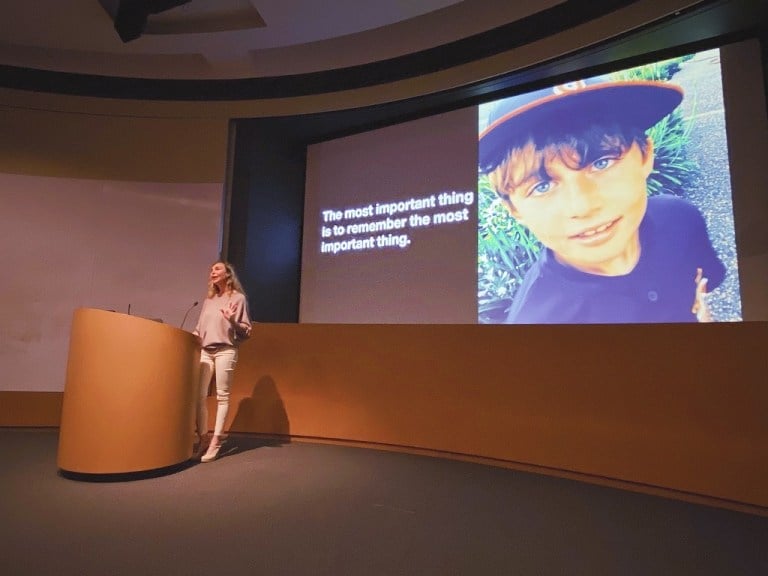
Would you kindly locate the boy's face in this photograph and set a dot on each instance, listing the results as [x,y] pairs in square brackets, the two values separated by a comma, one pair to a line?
[588,215]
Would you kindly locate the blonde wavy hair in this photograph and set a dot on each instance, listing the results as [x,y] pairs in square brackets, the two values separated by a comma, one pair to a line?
[233,282]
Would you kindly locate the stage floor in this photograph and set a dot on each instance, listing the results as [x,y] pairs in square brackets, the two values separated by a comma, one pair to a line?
[315,509]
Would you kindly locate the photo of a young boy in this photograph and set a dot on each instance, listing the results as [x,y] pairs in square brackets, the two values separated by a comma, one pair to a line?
[570,164]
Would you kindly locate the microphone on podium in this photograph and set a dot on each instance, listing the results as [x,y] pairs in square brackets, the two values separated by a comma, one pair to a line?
[187,313]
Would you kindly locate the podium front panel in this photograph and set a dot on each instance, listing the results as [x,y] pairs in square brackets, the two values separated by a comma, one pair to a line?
[129,395]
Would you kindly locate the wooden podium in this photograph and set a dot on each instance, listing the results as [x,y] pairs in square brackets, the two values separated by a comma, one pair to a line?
[129,397]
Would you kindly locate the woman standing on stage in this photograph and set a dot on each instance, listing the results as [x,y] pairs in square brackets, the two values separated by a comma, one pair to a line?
[223,324]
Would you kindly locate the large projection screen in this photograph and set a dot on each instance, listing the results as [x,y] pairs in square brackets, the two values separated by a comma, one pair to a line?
[610,199]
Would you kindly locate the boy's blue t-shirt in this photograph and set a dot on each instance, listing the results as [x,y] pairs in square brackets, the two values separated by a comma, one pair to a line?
[661,288]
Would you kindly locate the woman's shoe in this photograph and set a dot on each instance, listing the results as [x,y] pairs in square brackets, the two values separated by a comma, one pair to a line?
[212,453]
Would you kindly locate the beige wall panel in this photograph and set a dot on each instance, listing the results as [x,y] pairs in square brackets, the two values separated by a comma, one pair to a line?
[39,409]
[85,145]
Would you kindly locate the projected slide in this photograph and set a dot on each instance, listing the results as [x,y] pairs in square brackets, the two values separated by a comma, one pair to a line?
[390,229]
[608,200]
[603,200]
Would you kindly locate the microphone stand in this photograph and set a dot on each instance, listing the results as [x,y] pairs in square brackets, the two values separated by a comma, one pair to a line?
[186,314]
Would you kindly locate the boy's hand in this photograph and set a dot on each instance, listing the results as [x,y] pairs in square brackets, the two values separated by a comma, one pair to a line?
[700,307]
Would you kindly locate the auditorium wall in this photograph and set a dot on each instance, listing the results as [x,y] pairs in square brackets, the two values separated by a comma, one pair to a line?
[677,408]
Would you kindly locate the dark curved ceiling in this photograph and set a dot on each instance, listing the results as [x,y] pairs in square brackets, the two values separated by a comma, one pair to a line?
[241,49]
[229,39]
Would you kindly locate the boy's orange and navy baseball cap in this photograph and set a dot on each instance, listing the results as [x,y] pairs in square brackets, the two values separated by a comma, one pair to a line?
[640,104]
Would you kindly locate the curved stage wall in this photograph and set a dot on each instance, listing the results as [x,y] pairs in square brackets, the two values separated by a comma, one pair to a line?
[672,406]
[677,407]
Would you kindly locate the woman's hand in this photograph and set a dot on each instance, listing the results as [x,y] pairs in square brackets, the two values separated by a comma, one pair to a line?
[230,312]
